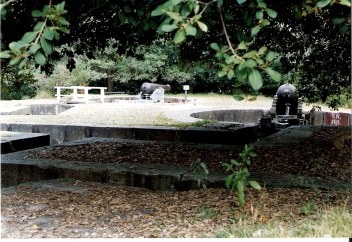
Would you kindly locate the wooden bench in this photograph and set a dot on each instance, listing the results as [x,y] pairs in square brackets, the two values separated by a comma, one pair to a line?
[75,95]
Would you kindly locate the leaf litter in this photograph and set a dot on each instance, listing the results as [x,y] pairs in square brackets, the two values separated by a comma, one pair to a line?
[105,211]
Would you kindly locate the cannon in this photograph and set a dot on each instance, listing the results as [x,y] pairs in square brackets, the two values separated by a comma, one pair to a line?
[286,102]
[149,88]
[286,109]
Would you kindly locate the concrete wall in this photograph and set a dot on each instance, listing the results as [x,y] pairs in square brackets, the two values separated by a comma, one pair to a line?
[241,116]
[65,133]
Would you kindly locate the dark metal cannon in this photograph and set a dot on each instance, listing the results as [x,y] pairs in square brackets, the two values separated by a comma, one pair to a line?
[286,109]
[149,88]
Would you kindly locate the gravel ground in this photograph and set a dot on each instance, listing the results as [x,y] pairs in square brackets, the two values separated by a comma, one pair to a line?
[134,113]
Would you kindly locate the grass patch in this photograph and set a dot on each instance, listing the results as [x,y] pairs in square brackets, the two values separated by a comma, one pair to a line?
[161,120]
[331,222]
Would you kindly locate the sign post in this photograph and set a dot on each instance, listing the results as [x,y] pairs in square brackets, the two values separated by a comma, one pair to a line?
[185,88]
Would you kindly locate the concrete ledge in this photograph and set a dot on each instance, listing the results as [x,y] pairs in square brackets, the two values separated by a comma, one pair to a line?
[235,115]
[66,133]
[17,141]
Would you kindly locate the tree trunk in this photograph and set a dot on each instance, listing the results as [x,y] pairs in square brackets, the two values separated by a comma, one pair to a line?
[110,84]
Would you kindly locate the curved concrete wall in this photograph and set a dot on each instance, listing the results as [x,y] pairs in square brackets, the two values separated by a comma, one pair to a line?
[240,116]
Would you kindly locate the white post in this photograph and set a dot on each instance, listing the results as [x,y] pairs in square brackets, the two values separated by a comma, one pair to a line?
[86,94]
[102,93]
[58,93]
[74,94]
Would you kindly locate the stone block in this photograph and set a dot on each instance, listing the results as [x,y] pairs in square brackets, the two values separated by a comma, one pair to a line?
[318,118]
[57,132]
[113,132]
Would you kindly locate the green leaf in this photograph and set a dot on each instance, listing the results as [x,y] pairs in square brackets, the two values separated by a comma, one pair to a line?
[57,36]
[37,14]
[38,26]
[242,46]
[168,27]
[186,10]
[49,33]
[238,97]
[345,2]
[180,36]
[255,185]
[29,37]
[63,21]
[60,7]
[14,48]
[190,30]
[271,13]
[338,21]
[160,10]
[15,60]
[45,10]
[261,4]
[276,76]
[323,3]
[222,73]
[227,166]
[241,75]
[270,56]
[259,14]
[255,79]
[34,48]
[241,1]
[235,162]
[176,2]
[250,54]
[230,74]
[46,46]
[174,16]
[262,50]
[215,46]
[5,54]
[23,63]
[63,29]
[255,30]
[228,180]
[39,58]
[259,61]
[220,2]
[266,22]
[240,186]
[247,64]
[202,26]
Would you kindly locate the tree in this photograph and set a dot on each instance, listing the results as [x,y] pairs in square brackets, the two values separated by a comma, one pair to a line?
[252,32]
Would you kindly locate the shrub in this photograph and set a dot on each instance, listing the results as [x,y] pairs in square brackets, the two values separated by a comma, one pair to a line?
[14,86]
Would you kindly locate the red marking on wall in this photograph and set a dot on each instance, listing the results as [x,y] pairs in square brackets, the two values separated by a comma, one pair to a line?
[337,119]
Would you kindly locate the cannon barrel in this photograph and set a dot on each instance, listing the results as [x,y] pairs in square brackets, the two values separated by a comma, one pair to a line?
[286,92]
[149,88]
[287,100]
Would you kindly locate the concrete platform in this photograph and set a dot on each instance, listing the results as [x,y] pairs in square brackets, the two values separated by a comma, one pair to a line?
[20,167]
[17,141]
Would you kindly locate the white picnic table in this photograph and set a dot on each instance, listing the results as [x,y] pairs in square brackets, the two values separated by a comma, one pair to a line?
[76,96]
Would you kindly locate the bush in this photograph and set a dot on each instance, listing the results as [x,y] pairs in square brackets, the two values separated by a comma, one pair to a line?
[14,86]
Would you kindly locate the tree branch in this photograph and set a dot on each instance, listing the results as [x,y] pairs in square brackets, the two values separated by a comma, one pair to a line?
[228,38]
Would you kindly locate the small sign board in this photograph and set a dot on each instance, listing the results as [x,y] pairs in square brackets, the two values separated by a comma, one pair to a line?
[185,87]
[337,119]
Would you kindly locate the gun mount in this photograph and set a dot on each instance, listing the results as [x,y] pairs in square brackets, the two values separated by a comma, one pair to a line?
[149,88]
[286,109]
